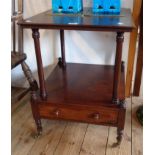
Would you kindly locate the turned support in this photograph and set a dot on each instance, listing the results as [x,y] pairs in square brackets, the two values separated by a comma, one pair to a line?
[36,115]
[36,36]
[117,68]
[121,122]
[62,61]
[119,137]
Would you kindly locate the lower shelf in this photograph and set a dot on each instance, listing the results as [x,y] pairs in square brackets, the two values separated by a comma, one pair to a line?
[82,92]
[83,84]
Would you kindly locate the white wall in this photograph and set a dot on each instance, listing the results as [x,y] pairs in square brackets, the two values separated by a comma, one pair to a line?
[82,47]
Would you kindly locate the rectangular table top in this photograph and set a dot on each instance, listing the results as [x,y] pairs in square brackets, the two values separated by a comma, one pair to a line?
[81,21]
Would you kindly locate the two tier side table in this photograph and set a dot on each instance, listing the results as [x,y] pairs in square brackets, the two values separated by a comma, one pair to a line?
[81,92]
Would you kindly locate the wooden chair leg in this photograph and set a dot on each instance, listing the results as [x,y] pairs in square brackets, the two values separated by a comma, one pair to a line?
[29,76]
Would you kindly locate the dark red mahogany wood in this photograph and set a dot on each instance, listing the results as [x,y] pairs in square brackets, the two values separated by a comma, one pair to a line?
[45,20]
[36,37]
[81,92]
[93,87]
[119,39]
[62,41]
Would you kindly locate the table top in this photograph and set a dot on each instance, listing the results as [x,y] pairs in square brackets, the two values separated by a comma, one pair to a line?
[81,21]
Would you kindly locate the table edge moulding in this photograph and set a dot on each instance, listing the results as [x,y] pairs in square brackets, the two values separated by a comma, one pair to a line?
[81,92]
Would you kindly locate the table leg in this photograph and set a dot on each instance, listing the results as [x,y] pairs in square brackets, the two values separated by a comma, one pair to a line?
[121,122]
[36,36]
[36,116]
[62,60]
[117,69]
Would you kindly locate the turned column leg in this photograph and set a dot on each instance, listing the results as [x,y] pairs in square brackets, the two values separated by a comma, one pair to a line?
[119,66]
[117,69]
[121,123]
[62,61]
[119,136]
[36,36]
[36,116]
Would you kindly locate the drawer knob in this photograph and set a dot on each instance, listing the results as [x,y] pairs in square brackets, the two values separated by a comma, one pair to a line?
[96,116]
[57,112]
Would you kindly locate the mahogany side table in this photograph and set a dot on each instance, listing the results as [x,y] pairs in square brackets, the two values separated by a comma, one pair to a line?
[81,92]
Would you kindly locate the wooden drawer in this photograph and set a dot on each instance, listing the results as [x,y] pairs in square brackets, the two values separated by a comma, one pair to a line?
[101,116]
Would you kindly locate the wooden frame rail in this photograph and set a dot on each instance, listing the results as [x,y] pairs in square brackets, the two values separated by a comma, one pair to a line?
[132,46]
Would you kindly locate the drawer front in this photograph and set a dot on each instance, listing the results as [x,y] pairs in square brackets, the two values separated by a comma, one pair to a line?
[103,116]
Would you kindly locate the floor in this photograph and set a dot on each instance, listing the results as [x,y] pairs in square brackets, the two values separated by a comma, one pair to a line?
[70,138]
[18,93]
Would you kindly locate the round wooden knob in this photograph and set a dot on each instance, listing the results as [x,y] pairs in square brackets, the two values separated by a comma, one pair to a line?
[96,116]
[57,112]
